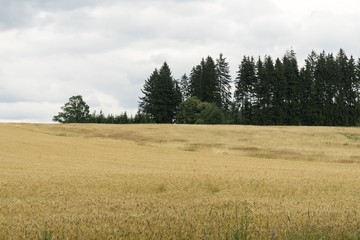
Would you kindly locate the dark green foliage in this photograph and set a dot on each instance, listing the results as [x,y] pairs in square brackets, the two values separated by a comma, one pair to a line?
[209,113]
[223,87]
[279,92]
[162,96]
[204,83]
[141,117]
[122,118]
[263,89]
[188,111]
[245,90]
[193,111]
[323,92]
[307,90]
[292,101]
[74,111]
[185,87]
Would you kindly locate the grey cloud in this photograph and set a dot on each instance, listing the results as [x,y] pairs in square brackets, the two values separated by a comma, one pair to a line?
[105,50]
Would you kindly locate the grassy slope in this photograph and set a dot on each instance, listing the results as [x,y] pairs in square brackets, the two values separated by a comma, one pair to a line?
[153,181]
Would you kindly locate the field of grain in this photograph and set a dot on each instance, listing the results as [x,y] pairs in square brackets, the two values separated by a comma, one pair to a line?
[178,182]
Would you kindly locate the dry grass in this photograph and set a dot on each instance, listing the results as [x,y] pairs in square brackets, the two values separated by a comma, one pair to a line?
[178,182]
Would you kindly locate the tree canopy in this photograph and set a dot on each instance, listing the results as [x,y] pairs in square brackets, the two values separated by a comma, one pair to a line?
[162,96]
[74,111]
[324,91]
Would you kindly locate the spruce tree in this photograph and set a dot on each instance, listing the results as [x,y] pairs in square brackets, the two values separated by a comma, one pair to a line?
[210,83]
[161,96]
[291,73]
[279,93]
[357,92]
[307,77]
[195,81]
[319,96]
[224,81]
[244,89]
[185,87]
[265,86]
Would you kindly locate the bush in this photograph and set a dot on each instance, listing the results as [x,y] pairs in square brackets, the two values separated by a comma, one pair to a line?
[209,114]
[193,111]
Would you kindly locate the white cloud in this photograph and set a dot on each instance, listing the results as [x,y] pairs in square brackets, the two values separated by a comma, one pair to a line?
[104,50]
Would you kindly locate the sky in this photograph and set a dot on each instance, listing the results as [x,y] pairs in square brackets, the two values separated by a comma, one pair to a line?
[104,50]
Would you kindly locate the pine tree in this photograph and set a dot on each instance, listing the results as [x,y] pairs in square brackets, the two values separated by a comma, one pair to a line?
[291,73]
[224,80]
[319,97]
[185,87]
[357,92]
[195,81]
[148,102]
[279,93]
[346,94]
[265,91]
[203,82]
[340,94]
[210,83]
[244,89]
[161,96]
[259,93]
[307,77]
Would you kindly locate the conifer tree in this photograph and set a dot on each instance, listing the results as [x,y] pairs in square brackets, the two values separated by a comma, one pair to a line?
[224,80]
[185,87]
[195,81]
[279,92]
[161,96]
[210,84]
[203,83]
[307,77]
[244,89]
[264,92]
[291,73]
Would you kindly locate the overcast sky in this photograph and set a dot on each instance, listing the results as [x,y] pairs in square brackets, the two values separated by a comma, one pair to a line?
[104,50]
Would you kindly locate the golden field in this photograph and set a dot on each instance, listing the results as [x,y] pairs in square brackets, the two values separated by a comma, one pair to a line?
[179,182]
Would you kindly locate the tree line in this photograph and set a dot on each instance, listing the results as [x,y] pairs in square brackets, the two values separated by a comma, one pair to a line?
[325,91]
[76,110]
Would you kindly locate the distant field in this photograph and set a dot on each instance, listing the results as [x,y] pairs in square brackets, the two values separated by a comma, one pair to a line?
[179,182]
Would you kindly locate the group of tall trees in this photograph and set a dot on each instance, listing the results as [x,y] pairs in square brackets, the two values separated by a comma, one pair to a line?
[325,91]
[203,97]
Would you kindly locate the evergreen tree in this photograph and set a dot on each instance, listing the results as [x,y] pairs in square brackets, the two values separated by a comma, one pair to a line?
[356,86]
[307,77]
[224,80]
[195,81]
[161,96]
[204,82]
[346,94]
[264,92]
[185,87]
[319,96]
[244,89]
[210,84]
[291,73]
[279,93]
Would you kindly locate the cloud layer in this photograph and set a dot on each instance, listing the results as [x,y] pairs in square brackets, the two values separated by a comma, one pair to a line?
[105,49]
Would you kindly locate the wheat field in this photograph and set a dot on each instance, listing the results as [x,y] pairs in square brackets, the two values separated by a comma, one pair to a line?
[178,182]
